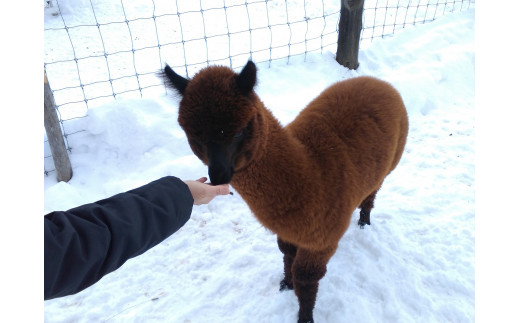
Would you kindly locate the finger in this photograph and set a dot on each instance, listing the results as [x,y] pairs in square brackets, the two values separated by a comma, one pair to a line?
[202,179]
[222,189]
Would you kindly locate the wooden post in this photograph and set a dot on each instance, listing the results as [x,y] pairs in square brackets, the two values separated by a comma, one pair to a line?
[350,24]
[53,129]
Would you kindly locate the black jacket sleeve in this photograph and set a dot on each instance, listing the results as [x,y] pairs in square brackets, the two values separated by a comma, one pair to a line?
[85,243]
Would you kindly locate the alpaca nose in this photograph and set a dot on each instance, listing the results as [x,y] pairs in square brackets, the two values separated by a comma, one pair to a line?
[220,174]
[220,164]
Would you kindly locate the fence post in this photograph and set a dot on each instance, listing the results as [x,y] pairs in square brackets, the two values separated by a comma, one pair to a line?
[350,24]
[53,129]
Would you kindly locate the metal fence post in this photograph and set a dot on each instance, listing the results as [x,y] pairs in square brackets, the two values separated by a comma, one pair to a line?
[350,24]
[53,129]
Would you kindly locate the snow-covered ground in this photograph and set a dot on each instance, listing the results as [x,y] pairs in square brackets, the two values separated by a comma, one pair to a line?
[415,263]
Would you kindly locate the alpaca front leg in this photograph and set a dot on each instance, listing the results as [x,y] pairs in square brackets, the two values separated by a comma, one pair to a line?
[308,268]
[289,252]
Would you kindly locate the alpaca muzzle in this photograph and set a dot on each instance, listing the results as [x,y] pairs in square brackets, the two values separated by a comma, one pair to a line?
[220,167]
[220,175]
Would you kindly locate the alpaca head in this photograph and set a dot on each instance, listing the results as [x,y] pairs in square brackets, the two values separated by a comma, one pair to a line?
[218,112]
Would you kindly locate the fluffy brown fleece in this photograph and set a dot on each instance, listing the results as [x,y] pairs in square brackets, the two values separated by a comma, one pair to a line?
[302,181]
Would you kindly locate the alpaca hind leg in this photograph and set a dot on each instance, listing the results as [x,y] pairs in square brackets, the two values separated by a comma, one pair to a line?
[289,252]
[308,268]
[366,206]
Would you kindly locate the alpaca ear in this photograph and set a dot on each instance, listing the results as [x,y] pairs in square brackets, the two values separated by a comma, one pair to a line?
[247,78]
[174,80]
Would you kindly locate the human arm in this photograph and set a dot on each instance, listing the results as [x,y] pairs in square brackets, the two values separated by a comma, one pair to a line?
[85,243]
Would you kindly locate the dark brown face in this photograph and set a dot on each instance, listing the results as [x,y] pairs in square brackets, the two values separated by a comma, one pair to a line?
[222,156]
[219,117]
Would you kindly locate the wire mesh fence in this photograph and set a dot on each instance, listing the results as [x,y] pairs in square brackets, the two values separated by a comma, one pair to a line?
[99,50]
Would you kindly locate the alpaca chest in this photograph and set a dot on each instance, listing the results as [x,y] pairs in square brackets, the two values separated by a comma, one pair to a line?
[299,221]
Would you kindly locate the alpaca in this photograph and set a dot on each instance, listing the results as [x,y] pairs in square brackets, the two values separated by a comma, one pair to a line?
[302,181]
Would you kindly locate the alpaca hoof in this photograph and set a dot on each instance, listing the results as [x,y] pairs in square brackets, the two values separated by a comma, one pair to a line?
[363,223]
[284,285]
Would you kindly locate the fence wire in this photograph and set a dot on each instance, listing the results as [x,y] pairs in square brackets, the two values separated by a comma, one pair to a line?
[96,51]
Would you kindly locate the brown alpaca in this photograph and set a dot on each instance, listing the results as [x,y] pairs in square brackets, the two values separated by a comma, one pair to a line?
[302,181]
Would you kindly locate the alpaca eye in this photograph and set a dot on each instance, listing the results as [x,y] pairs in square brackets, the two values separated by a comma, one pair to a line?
[240,134]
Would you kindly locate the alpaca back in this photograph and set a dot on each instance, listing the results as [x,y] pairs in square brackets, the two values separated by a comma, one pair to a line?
[355,132]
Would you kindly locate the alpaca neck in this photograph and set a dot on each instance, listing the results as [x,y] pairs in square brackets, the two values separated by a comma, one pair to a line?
[279,164]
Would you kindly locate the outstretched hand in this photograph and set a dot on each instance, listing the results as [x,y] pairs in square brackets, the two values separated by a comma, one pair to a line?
[203,192]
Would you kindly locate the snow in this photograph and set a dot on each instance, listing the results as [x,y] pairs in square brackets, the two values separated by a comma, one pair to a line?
[415,263]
